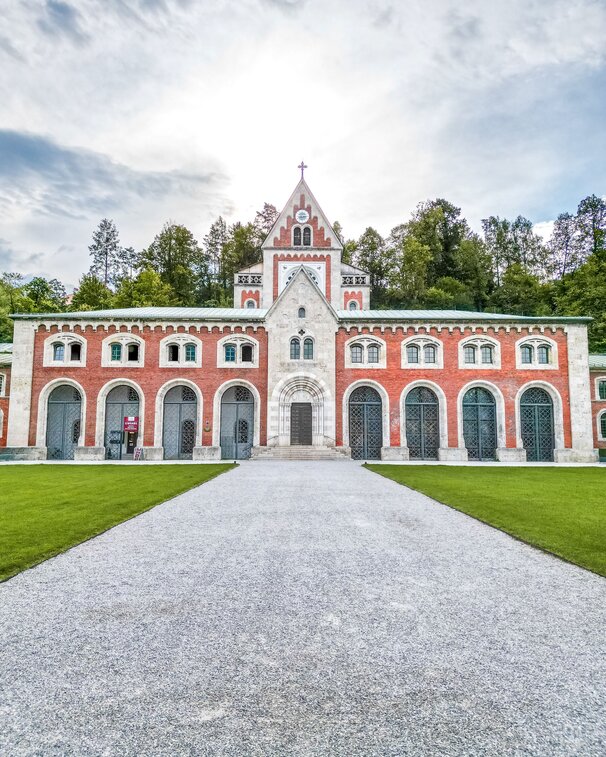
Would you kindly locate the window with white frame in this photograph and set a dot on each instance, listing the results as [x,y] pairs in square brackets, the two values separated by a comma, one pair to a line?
[421,352]
[237,351]
[365,352]
[123,349]
[301,236]
[600,391]
[536,353]
[180,350]
[479,352]
[251,304]
[64,349]
[353,305]
[2,384]
[602,426]
[301,347]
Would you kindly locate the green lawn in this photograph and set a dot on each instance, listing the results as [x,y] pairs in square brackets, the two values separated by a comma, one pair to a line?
[560,510]
[46,509]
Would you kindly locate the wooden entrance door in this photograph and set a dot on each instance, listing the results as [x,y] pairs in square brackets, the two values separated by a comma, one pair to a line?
[300,423]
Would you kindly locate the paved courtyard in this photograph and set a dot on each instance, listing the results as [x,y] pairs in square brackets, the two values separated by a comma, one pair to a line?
[303,608]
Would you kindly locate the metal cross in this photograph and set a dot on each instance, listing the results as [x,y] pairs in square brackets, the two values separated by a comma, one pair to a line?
[302,166]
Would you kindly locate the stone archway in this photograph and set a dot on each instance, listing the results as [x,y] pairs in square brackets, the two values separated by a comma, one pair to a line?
[301,413]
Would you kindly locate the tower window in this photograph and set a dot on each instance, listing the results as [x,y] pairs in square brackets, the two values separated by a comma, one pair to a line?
[308,349]
[301,312]
[307,236]
[295,349]
[296,236]
[353,305]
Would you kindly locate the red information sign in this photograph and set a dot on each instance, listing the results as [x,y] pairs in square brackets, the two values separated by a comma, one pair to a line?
[131,422]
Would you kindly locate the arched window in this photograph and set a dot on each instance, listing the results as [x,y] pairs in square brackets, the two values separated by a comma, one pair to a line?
[602,389]
[356,353]
[230,353]
[544,354]
[487,351]
[58,352]
[1,385]
[116,352]
[429,353]
[190,353]
[301,312]
[296,236]
[251,304]
[412,353]
[307,236]
[373,353]
[246,353]
[469,353]
[295,349]
[603,425]
[527,353]
[75,351]
[353,305]
[133,353]
[173,353]
[308,349]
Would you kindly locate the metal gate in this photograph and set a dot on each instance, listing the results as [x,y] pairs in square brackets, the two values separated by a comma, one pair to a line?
[480,424]
[179,429]
[63,422]
[365,424]
[536,424]
[422,424]
[122,402]
[237,423]
[300,423]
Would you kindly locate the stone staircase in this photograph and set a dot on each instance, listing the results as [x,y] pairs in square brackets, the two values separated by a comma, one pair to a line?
[300,452]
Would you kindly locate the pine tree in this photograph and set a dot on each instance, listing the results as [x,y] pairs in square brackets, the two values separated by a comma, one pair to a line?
[104,251]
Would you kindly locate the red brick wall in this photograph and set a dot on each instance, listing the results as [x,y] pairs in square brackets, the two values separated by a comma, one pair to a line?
[4,403]
[150,378]
[250,294]
[349,296]
[597,406]
[319,238]
[451,378]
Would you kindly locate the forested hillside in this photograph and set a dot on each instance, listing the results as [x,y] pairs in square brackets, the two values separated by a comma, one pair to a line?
[432,260]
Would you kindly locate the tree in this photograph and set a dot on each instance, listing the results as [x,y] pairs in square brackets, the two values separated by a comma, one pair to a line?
[146,290]
[520,293]
[408,277]
[173,255]
[46,296]
[565,252]
[591,225]
[240,251]
[127,262]
[372,256]
[438,225]
[104,251]
[448,293]
[264,221]
[583,293]
[512,242]
[213,245]
[473,268]
[91,294]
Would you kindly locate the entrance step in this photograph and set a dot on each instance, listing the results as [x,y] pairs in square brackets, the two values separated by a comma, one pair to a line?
[300,452]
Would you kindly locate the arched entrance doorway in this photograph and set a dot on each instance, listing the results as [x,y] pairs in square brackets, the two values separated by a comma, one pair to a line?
[237,423]
[121,430]
[422,424]
[365,424]
[63,422]
[179,423]
[480,424]
[536,424]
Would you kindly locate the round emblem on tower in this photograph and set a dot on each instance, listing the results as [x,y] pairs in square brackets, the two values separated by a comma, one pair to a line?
[302,216]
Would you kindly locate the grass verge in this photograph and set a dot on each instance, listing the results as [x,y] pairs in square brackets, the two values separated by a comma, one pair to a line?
[560,510]
[46,509]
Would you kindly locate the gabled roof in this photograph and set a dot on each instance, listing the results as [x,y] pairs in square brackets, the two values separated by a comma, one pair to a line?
[302,188]
[301,271]
[597,361]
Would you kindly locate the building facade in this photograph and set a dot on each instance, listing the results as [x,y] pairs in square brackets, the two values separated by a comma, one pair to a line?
[301,361]
[597,374]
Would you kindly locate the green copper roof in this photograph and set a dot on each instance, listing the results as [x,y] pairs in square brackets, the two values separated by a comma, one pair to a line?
[597,361]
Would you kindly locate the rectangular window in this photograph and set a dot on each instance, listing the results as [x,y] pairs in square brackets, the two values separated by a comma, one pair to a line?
[543,355]
[230,353]
[75,351]
[373,353]
[58,352]
[429,353]
[412,353]
[602,390]
[487,355]
[133,353]
[190,353]
[356,353]
[470,355]
[526,353]
[116,352]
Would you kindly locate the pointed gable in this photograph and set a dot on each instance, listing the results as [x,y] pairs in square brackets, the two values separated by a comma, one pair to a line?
[323,235]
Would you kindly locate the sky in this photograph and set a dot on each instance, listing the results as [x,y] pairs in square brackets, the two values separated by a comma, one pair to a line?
[146,111]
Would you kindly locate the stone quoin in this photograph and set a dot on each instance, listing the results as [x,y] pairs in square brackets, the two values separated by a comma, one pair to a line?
[301,362]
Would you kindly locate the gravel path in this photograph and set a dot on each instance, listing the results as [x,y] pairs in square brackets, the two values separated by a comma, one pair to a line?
[303,608]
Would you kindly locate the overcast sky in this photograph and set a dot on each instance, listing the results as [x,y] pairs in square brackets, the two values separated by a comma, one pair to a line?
[149,110]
